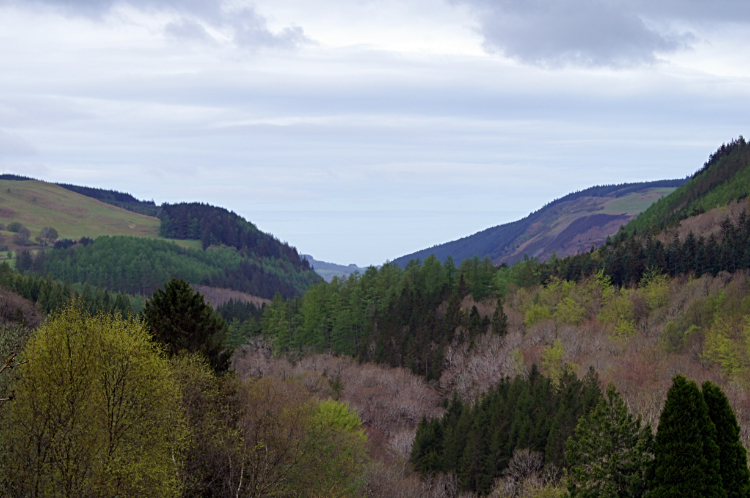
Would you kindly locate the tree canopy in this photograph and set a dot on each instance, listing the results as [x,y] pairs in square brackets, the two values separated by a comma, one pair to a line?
[180,318]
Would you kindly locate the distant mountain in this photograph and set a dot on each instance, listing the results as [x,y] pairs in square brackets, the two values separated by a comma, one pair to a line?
[330,270]
[565,226]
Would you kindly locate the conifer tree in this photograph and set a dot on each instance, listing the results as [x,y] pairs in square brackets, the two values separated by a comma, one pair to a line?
[181,319]
[735,476]
[499,319]
[686,456]
[610,452]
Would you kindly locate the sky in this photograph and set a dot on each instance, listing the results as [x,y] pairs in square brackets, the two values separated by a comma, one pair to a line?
[362,130]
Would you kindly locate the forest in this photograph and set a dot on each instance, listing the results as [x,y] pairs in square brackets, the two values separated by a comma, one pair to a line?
[140,265]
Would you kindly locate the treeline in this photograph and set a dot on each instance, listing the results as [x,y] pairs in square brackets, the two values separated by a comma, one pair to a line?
[218,226]
[406,317]
[243,321]
[626,257]
[520,436]
[139,266]
[51,295]
[477,441]
[115,198]
[388,315]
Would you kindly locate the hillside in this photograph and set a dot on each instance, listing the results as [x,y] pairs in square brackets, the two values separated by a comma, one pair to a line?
[565,226]
[37,204]
[330,270]
[723,179]
[122,250]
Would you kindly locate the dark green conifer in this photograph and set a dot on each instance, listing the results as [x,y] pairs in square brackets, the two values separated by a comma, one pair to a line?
[686,456]
[181,319]
[499,319]
[610,452]
[735,476]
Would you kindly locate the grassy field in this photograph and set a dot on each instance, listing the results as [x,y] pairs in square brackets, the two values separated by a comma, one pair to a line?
[38,204]
[637,202]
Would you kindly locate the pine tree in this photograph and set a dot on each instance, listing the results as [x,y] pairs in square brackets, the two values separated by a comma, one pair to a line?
[181,319]
[735,476]
[610,452]
[686,456]
[499,319]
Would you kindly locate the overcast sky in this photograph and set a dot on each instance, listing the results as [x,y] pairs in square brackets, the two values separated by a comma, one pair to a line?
[362,130]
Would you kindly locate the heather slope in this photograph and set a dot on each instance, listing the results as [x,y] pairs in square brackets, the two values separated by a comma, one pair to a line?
[565,226]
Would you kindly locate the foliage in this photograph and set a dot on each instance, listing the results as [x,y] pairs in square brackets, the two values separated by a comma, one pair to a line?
[181,320]
[52,295]
[47,235]
[610,453]
[93,413]
[140,265]
[686,456]
[735,476]
[724,177]
[478,441]
[218,226]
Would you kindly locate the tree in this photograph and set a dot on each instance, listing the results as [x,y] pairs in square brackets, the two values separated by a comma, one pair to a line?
[735,476]
[21,237]
[47,235]
[686,456]
[610,452]
[182,320]
[499,319]
[94,413]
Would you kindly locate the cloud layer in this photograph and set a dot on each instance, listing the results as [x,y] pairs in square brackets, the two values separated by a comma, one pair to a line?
[193,19]
[615,33]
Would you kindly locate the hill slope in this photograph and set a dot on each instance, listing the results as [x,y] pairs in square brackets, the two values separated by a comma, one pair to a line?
[724,178]
[565,226]
[37,204]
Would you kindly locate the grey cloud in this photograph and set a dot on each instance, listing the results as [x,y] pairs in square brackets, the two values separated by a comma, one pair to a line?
[248,27]
[586,32]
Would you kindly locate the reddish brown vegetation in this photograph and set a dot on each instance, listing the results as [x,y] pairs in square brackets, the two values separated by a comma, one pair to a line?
[216,296]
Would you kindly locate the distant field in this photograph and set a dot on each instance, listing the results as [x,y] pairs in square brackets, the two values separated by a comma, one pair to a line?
[635,203]
[38,204]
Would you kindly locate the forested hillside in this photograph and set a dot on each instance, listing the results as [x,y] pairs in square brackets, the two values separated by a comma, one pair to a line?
[139,266]
[565,226]
[52,229]
[725,177]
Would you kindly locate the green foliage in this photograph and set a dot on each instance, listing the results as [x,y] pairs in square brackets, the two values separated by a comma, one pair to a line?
[93,413]
[686,456]
[499,319]
[140,265]
[724,177]
[477,441]
[180,319]
[619,312]
[553,363]
[610,453]
[735,476]
[51,295]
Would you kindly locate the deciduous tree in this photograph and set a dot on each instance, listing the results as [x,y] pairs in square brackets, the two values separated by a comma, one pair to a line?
[94,413]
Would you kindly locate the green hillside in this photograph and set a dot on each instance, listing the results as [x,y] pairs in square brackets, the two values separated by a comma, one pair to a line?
[37,204]
[724,178]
